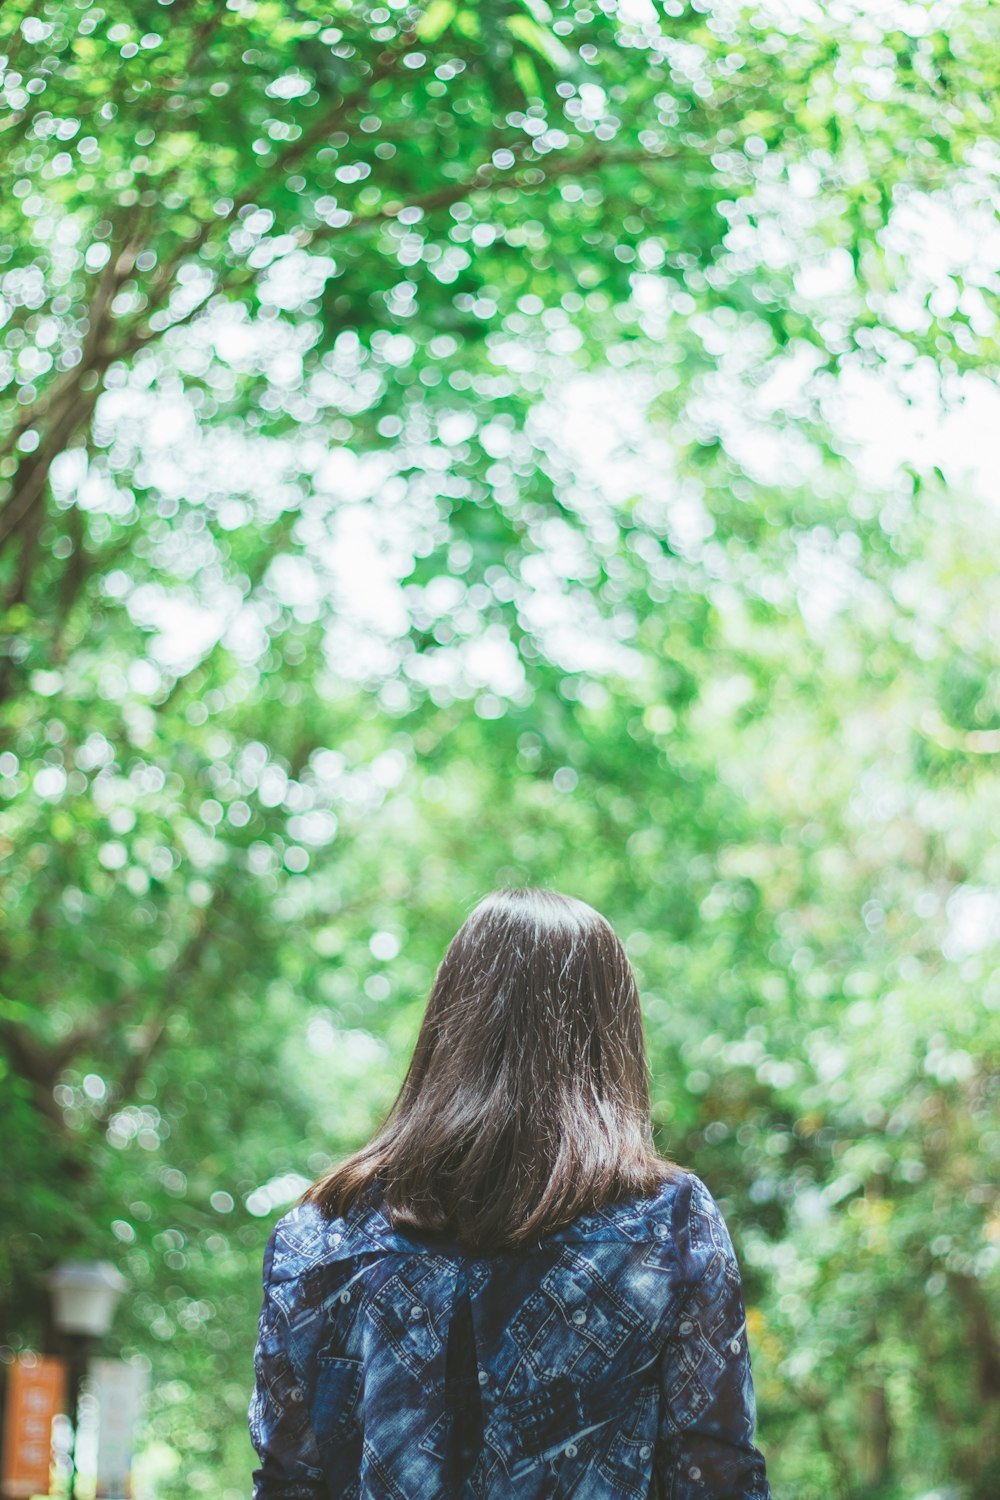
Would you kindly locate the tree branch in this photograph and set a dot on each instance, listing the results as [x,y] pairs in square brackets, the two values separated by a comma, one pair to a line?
[173,992]
[983,1339]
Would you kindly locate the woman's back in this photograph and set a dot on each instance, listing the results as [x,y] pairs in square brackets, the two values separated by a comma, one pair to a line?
[610,1359]
[509,1292]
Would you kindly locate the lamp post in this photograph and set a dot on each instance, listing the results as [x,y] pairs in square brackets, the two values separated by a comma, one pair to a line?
[84,1297]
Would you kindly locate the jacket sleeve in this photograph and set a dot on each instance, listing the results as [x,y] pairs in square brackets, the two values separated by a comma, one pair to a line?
[705,1447]
[278,1415]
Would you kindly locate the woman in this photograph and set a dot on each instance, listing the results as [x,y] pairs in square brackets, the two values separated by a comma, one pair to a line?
[507,1293]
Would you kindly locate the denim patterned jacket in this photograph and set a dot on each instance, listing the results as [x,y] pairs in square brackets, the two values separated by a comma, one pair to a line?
[609,1362]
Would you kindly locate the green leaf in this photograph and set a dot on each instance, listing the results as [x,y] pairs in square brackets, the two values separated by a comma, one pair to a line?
[527,76]
[435,20]
[541,41]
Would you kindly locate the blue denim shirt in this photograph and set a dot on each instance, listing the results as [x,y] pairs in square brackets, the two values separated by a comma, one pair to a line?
[609,1362]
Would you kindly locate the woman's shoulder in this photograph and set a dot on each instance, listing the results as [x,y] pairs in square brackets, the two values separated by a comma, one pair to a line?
[653,1216]
[681,1216]
[306,1237]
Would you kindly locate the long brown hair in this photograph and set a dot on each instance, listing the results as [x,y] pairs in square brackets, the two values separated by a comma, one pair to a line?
[526,1101]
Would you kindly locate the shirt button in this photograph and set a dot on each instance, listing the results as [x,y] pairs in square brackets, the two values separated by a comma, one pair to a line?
[570,1450]
[579,1316]
[483,1377]
[686,1327]
[694,1473]
[295,1393]
[735,1345]
[345,1296]
[645,1452]
[416,1312]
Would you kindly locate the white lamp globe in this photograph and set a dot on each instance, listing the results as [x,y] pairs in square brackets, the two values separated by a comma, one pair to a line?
[84,1296]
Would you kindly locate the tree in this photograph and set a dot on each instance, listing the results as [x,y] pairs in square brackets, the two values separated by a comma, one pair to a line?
[276,270]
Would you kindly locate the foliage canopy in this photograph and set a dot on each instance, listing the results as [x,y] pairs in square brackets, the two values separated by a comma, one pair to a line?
[420,472]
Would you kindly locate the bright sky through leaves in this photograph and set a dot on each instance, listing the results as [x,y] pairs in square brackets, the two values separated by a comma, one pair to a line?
[462,444]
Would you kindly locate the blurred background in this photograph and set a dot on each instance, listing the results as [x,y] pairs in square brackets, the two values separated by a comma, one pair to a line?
[452,445]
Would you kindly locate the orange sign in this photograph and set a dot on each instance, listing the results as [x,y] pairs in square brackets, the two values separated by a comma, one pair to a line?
[36,1391]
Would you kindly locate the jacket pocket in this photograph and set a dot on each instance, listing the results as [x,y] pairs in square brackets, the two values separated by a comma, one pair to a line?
[540,1420]
[575,1322]
[338,1391]
[406,1320]
[629,1462]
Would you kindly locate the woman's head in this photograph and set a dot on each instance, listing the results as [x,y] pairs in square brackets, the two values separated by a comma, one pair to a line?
[526,1101]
